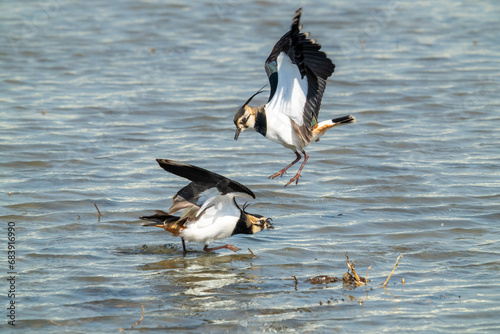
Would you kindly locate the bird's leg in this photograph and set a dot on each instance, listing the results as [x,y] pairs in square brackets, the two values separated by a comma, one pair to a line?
[283,171]
[183,247]
[228,246]
[296,177]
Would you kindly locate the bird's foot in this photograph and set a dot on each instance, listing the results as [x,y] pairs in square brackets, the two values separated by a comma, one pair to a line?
[233,248]
[295,178]
[280,173]
[227,246]
[283,171]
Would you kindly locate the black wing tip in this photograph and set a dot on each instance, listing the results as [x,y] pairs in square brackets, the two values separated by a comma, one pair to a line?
[296,26]
[170,162]
[185,170]
[226,186]
[251,194]
[298,13]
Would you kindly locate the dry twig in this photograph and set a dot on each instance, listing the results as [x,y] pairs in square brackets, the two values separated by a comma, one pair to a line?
[99,212]
[395,266]
[358,280]
[366,277]
[142,317]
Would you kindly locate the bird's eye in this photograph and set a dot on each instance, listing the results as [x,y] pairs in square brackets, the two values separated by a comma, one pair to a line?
[244,120]
[262,221]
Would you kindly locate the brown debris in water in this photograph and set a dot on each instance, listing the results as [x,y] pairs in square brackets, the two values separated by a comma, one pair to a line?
[351,277]
[323,279]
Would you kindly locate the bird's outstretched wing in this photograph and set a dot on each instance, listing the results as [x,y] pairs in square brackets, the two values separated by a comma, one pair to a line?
[204,190]
[297,71]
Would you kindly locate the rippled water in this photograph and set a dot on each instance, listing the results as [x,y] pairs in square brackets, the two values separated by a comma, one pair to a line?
[91,93]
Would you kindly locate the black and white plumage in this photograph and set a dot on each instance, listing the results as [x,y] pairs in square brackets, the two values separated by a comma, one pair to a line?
[210,208]
[297,71]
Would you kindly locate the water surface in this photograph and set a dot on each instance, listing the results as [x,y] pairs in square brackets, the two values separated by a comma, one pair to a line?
[92,93]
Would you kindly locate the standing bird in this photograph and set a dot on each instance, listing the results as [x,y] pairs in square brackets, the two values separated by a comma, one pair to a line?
[297,71]
[210,209]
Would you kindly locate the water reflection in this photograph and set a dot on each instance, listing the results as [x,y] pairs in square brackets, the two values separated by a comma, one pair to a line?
[200,273]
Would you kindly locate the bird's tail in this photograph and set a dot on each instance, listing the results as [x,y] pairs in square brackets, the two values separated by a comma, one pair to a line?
[320,129]
[343,120]
[169,223]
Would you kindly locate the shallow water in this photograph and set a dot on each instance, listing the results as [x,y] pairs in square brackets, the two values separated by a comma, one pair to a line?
[92,93]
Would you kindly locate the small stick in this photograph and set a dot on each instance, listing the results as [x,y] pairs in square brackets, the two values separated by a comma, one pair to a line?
[366,277]
[395,266]
[296,281]
[142,317]
[351,266]
[99,212]
[251,252]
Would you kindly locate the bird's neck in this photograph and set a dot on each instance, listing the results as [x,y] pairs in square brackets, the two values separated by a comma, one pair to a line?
[260,120]
[242,225]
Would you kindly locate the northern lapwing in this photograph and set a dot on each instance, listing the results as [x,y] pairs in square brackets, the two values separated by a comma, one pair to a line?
[297,71]
[210,208]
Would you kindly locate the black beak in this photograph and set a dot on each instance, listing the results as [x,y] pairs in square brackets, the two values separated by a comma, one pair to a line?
[269,225]
[237,134]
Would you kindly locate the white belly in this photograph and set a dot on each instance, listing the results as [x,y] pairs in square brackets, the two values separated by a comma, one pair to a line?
[215,223]
[287,104]
[282,132]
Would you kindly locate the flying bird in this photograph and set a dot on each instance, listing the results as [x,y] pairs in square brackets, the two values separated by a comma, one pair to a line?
[297,71]
[210,211]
